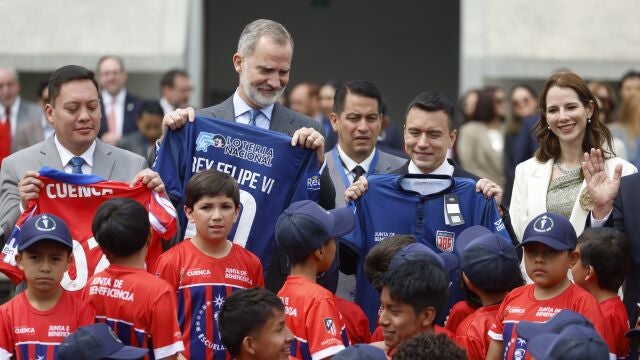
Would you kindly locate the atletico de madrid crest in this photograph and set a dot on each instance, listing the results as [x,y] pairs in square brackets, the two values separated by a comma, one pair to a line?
[330,326]
[444,240]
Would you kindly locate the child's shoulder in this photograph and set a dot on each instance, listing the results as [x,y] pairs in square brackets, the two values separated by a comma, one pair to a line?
[239,251]
[519,293]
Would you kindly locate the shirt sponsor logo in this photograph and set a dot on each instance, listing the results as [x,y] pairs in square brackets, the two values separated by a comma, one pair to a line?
[313,183]
[235,147]
[445,240]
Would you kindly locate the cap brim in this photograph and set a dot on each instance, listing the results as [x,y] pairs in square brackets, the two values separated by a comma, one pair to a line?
[550,242]
[344,221]
[42,237]
[528,330]
[128,353]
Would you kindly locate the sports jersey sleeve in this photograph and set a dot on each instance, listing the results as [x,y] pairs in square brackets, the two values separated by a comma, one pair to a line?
[588,306]
[166,270]
[491,219]
[6,338]
[259,274]
[165,331]
[171,161]
[86,314]
[308,188]
[355,239]
[496,329]
[324,327]
[475,349]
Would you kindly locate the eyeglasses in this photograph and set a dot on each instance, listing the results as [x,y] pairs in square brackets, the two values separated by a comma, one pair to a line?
[520,102]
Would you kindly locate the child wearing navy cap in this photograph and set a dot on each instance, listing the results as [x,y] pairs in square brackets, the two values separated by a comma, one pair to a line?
[307,233]
[601,269]
[97,342]
[490,269]
[34,323]
[549,242]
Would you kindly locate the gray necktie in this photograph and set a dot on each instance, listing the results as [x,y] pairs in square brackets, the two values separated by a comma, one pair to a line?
[253,115]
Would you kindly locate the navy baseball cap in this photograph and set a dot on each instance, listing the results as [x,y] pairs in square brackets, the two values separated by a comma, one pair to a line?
[95,342]
[305,226]
[44,227]
[491,263]
[528,330]
[550,229]
[574,342]
[361,352]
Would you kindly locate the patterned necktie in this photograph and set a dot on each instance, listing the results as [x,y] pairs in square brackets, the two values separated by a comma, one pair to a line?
[253,115]
[76,162]
[359,171]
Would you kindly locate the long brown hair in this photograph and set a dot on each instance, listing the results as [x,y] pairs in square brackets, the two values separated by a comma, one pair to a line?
[596,133]
[630,118]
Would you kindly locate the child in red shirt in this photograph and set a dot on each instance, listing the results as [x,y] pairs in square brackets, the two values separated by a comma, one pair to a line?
[34,323]
[206,269]
[490,269]
[252,326]
[140,308]
[601,270]
[549,242]
[307,233]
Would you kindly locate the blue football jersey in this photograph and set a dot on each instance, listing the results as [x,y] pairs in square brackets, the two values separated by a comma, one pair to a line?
[270,173]
[394,205]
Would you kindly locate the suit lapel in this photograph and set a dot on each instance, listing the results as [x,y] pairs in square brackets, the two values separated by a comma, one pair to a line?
[49,155]
[102,160]
[538,186]
[280,122]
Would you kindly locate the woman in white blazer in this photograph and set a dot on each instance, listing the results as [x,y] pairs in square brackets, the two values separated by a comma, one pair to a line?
[552,180]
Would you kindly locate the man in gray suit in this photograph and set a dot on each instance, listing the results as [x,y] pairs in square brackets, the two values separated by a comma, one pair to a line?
[74,112]
[357,119]
[263,61]
[12,106]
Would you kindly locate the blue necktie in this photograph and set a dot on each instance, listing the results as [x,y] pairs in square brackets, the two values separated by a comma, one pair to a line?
[76,162]
[253,115]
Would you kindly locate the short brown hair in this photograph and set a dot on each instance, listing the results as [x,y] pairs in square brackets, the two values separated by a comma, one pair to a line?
[211,183]
[596,134]
[377,261]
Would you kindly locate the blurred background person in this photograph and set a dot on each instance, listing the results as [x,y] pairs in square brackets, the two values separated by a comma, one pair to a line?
[14,110]
[119,107]
[327,92]
[32,132]
[176,89]
[519,142]
[606,100]
[305,99]
[480,143]
[391,138]
[552,180]
[149,125]
[630,83]
[467,104]
[627,129]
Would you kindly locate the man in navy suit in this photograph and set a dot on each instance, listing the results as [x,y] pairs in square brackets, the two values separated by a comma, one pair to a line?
[119,107]
[615,204]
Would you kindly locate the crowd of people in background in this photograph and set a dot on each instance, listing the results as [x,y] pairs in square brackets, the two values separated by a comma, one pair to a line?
[537,241]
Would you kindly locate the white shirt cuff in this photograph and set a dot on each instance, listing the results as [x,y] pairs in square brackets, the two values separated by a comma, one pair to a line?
[598,223]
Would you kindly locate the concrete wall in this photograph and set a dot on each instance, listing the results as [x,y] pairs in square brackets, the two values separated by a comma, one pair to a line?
[513,40]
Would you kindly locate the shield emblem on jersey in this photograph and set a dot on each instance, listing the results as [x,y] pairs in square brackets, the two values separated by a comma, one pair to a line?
[330,326]
[444,240]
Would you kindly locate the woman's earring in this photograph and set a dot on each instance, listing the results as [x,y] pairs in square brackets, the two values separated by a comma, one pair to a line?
[588,120]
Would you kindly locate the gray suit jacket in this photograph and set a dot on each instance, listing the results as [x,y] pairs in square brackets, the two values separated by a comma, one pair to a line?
[45,153]
[28,113]
[28,134]
[386,164]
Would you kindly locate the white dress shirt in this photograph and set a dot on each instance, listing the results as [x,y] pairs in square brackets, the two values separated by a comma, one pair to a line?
[242,110]
[66,155]
[119,102]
